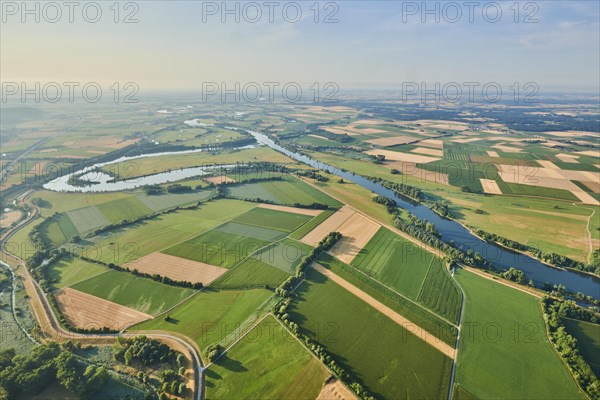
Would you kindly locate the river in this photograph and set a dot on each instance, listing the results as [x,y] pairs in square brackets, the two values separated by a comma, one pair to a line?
[450,230]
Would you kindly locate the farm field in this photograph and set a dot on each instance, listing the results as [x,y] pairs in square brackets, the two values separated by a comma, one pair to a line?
[413,311]
[68,271]
[507,363]
[588,340]
[273,219]
[396,365]
[176,268]
[86,311]
[251,273]
[310,225]
[221,248]
[132,242]
[289,191]
[168,200]
[141,294]
[210,316]
[395,261]
[440,293]
[266,364]
[122,209]
[285,254]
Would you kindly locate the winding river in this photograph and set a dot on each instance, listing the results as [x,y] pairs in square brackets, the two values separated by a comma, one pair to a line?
[450,230]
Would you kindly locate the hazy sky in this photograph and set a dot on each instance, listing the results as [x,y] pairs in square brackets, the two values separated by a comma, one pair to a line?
[375,43]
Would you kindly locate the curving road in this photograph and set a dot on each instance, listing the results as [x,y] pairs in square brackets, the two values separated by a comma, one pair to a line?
[51,327]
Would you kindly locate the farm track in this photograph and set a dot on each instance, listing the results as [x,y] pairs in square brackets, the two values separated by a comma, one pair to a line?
[51,328]
[413,328]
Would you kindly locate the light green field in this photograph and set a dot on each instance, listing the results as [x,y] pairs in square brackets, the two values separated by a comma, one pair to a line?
[127,244]
[395,262]
[503,350]
[251,273]
[218,248]
[88,218]
[268,363]
[118,210]
[289,191]
[390,362]
[169,200]
[251,231]
[285,254]
[210,316]
[273,219]
[588,341]
[142,294]
[66,272]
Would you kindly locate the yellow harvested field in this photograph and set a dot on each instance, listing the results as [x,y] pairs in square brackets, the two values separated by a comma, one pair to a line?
[490,186]
[435,143]
[356,233]
[568,158]
[329,225]
[392,141]
[429,152]
[492,153]
[9,218]
[547,164]
[335,391]
[388,312]
[177,268]
[83,310]
[507,149]
[591,153]
[295,210]
[369,122]
[403,157]
[100,141]
[218,179]
[338,131]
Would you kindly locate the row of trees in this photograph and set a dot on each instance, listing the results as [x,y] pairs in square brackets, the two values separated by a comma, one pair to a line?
[566,345]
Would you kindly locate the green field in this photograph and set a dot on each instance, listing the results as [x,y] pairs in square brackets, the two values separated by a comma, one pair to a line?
[132,242]
[211,315]
[285,254]
[289,191]
[88,218]
[588,341]
[414,312]
[66,272]
[268,363]
[440,293]
[218,248]
[170,200]
[250,273]
[251,231]
[129,290]
[538,191]
[310,225]
[273,219]
[118,210]
[388,360]
[395,261]
[504,352]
